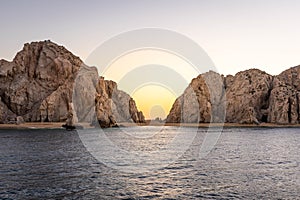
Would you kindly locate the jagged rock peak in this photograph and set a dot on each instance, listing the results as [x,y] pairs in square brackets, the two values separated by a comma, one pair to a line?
[36,49]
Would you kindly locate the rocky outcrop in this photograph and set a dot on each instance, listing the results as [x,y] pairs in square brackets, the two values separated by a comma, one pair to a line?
[84,94]
[249,97]
[99,101]
[174,115]
[284,99]
[203,101]
[46,82]
[6,115]
[36,72]
[124,107]
[42,81]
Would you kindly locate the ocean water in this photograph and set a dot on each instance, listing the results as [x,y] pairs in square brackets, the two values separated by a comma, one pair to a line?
[245,163]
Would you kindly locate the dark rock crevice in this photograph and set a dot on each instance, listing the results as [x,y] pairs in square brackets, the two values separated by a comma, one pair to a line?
[289,111]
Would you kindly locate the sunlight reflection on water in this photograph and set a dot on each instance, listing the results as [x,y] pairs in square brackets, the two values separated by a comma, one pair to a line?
[245,163]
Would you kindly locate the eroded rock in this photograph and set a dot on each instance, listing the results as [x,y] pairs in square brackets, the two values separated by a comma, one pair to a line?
[247,97]
[38,86]
[39,70]
[251,97]
[108,105]
[284,99]
[202,101]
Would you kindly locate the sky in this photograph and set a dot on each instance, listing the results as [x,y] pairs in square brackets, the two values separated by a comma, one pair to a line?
[236,35]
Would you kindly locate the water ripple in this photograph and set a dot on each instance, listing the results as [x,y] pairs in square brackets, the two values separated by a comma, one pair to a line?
[246,163]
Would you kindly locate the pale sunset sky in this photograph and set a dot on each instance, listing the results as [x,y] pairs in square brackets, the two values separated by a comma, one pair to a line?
[236,35]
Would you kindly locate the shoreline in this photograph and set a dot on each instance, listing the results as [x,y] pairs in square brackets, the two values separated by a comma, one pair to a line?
[33,125]
[215,125]
[58,125]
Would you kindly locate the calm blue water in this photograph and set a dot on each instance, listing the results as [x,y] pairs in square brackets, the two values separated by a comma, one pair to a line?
[247,163]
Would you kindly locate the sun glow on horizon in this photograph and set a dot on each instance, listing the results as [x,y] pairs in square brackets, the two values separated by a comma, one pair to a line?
[157,102]
[154,78]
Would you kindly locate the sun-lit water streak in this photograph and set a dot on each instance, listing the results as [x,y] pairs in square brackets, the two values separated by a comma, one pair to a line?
[259,163]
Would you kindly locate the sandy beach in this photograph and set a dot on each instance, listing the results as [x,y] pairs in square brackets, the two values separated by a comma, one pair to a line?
[33,125]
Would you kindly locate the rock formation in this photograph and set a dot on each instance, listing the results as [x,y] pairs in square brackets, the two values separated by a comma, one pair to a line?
[284,99]
[249,97]
[38,86]
[38,71]
[47,83]
[202,101]
[96,98]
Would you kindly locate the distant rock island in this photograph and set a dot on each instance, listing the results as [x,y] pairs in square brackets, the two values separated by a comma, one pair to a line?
[38,85]
[47,83]
[249,97]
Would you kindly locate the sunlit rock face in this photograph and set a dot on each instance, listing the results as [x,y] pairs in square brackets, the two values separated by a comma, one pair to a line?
[203,101]
[47,83]
[249,97]
[99,101]
[40,70]
[39,83]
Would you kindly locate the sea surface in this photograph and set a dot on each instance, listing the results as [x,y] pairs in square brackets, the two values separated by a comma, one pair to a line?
[245,163]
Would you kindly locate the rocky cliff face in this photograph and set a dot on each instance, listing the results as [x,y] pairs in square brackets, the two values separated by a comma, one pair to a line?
[247,97]
[113,105]
[46,82]
[250,97]
[284,99]
[38,71]
[38,85]
[203,101]
[95,98]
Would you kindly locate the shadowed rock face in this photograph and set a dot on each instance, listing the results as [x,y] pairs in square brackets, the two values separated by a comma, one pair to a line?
[38,85]
[251,96]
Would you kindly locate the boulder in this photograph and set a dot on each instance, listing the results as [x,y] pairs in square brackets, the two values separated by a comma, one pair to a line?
[19,120]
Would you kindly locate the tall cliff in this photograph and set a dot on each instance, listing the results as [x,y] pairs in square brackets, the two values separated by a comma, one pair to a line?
[250,97]
[94,96]
[285,97]
[38,86]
